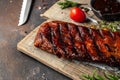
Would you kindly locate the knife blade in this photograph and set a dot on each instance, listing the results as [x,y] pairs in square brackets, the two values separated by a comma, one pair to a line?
[24,11]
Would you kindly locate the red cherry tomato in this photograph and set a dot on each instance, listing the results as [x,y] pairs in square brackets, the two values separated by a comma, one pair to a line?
[77,15]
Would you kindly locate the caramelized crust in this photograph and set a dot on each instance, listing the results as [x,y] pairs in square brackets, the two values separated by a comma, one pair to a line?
[71,41]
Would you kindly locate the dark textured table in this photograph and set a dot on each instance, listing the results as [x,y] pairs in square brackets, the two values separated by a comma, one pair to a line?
[15,65]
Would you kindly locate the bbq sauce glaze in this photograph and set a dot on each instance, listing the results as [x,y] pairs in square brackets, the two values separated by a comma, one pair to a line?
[107,6]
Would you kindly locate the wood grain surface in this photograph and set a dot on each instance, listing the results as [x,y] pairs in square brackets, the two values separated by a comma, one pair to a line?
[56,13]
[72,69]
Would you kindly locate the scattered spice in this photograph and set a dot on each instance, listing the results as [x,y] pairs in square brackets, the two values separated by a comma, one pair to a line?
[44,76]
[39,7]
[11,1]
[23,33]
[62,12]
[26,32]
[44,7]
[45,4]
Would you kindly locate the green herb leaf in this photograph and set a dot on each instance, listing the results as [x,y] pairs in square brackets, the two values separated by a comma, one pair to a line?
[67,4]
[107,76]
[111,76]
[98,77]
[113,26]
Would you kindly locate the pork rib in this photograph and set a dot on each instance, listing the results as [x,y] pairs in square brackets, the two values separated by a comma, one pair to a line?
[71,41]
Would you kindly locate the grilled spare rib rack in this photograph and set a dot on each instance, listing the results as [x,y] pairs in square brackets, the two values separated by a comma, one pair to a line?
[71,41]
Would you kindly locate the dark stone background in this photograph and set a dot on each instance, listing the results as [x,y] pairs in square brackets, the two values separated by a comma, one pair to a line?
[15,65]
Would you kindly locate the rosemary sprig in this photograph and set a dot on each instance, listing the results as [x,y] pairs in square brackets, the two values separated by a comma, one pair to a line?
[67,4]
[107,76]
[112,77]
[113,26]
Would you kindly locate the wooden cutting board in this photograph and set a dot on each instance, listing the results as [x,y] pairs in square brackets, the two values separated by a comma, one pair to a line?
[72,69]
[56,13]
